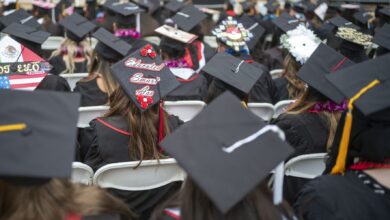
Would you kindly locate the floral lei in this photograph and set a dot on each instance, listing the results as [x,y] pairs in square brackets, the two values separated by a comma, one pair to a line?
[133,33]
[328,106]
[179,63]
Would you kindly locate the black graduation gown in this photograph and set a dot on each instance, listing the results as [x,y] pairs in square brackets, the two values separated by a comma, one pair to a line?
[59,65]
[354,196]
[195,88]
[307,133]
[108,143]
[54,83]
[91,95]
[275,56]
[281,84]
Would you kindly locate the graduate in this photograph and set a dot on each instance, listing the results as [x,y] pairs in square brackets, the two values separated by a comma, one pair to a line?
[135,124]
[176,53]
[226,178]
[100,84]
[75,53]
[36,156]
[357,186]
[310,122]
[233,38]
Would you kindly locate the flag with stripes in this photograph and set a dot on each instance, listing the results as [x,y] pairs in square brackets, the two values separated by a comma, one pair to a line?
[14,76]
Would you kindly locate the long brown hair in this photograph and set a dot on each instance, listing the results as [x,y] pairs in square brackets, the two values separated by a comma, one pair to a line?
[295,86]
[143,126]
[306,101]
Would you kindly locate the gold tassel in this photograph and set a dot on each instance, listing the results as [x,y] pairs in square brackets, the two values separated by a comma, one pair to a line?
[339,167]
[244,104]
[13,127]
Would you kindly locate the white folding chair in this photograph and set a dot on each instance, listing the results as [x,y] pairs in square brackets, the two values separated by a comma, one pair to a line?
[153,39]
[149,175]
[306,166]
[81,173]
[52,43]
[276,73]
[185,110]
[211,41]
[281,107]
[73,78]
[86,114]
[263,110]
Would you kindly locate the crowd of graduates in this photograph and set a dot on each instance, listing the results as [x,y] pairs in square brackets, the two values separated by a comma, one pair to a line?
[332,58]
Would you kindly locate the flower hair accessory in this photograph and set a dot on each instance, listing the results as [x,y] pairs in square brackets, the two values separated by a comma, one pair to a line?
[233,34]
[300,42]
[148,51]
[144,101]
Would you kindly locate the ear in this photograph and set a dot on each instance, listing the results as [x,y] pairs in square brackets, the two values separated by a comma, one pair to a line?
[114,27]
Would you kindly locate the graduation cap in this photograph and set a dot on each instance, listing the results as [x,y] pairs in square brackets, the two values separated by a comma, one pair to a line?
[367,86]
[304,6]
[254,27]
[144,77]
[20,16]
[125,12]
[176,34]
[385,11]
[174,6]
[227,151]
[322,62]
[321,10]
[272,5]
[77,26]
[287,24]
[20,67]
[188,17]
[354,36]
[363,16]
[233,71]
[109,46]
[35,142]
[26,35]
[339,21]
[382,37]
[150,5]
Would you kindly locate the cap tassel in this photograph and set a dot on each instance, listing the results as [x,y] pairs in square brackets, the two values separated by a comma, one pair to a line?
[161,124]
[339,167]
[13,127]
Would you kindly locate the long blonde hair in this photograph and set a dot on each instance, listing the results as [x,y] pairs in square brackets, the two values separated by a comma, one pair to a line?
[295,86]
[71,47]
[306,101]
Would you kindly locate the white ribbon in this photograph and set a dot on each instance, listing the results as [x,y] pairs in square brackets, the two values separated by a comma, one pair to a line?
[183,14]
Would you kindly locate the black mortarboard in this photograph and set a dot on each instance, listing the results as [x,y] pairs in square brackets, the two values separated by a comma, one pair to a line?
[26,33]
[103,217]
[339,21]
[362,16]
[233,71]
[322,62]
[21,17]
[174,6]
[77,26]
[109,46]
[385,11]
[304,6]
[286,24]
[353,79]
[353,38]
[226,151]
[35,142]
[254,27]
[272,5]
[124,12]
[144,77]
[188,17]
[382,37]
[246,5]
[150,5]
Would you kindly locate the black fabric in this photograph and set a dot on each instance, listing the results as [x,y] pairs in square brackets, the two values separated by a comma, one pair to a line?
[341,198]
[59,65]
[91,95]
[110,47]
[307,133]
[281,84]
[54,83]
[193,89]
[264,89]
[276,58]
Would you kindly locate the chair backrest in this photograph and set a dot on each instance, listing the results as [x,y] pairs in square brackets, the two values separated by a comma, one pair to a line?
[185,110]
[211,41]
[306,166]
[73,78]
[281,107]
[276,73]
[153,39]
[149,175]
[263,110]
[52,43]
[81,173]
[86,114]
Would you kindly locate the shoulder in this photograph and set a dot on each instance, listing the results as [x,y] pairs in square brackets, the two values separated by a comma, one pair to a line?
[174,121]
[172,213]
[113,123]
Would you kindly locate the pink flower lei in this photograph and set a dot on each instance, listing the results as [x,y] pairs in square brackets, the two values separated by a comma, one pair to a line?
[329,106]
[179,63]
[132,32]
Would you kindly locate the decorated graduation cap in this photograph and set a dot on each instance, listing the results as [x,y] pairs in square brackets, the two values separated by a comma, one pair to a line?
[367,86]
[36,143]
[188,17]
[77,27]
[109,46]
[324,60]
[300,43]
[233,34]
[230,160]
[233,71]
[126,13]
[382,37]
[174,6]
[254,27]
[287,23]
[20,68]
[176,34]
[20,16]
[26,35]
[354,36]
